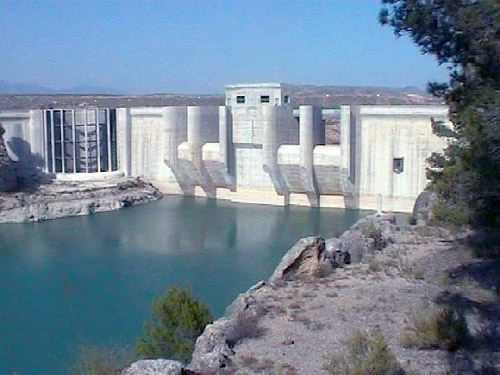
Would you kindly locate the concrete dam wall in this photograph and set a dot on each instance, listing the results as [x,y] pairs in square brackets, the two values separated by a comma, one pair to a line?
[257,149]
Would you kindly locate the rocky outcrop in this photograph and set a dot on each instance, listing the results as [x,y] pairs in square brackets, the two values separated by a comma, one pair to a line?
[154,367]
[214,347]
[373,232]
[424,207]
[304,260]
[59,200]
[8,177]
[310,257]
[335,254]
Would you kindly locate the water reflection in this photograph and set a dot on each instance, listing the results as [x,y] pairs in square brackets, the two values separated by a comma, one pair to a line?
[92,279]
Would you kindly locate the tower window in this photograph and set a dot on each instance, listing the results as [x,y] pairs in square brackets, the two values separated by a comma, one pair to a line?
[286,99]
[264,98]
[240,99]
[398,165]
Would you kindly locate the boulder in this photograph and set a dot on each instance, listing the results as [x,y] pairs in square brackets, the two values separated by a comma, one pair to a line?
[355,244]
[213,347]
[305,259]
[212,350]
[245,302]
[154,367]
[334,252]
[340,258]
[331,245]
[373,232]
[424,207]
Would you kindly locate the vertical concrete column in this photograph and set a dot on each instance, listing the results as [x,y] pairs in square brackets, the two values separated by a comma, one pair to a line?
[170,120]
[308,114]
[270,138]
[225,138]
[345,138]
[108,132]
[36,133]
[270,145]
[124,133]
[202,127]
[194,130]
[348,150]
[306,137]
[194,138]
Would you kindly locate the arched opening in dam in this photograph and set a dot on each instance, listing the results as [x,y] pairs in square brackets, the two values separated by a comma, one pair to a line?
[91,280]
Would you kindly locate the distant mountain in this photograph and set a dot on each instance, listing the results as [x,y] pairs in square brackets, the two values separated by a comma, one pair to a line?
[331,96]
[86,90]
[36,89]
[23,88]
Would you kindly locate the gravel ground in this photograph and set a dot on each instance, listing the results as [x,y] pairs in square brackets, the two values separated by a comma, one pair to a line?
[305,322]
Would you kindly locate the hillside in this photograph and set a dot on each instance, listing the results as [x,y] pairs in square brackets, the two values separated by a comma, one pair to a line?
[325,96]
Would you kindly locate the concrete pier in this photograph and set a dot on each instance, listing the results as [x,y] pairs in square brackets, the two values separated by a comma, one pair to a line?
[124,140]
[225,137]
[194,141]
[173,118]
[309,118]
[270,145]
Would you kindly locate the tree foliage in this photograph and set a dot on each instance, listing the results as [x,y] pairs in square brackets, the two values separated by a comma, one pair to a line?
[465,35]
[177,319]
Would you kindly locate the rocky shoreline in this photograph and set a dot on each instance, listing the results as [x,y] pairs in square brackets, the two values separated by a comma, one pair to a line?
[291,323]
[62,199]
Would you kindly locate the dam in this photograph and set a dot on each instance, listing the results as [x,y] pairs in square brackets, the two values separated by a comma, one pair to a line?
[255,149]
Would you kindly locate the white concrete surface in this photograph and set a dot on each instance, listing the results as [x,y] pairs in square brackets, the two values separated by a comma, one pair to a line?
[261,153]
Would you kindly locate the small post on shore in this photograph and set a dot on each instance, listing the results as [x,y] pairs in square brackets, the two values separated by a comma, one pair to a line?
[379,205]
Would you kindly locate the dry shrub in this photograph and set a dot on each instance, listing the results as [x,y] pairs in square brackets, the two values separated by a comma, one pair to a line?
[419,274]
[367,353]
[473,290]
[371,230]
[294,306]
[244,325]
[285,369]
[432,328]
[93,360]
[324,270]
[256,365]
[374,266]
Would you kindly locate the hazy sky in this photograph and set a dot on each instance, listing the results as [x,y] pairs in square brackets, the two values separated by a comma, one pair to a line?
[198,46]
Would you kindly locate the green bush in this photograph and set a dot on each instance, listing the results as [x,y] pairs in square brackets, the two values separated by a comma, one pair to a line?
[455,218]
[442,328]
[367,354]
[177,319]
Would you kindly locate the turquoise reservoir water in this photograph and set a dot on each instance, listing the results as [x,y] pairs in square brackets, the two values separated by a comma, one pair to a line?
[91,280]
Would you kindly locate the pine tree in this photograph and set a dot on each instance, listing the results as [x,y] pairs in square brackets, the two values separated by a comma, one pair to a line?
[465,35]
[177,320]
